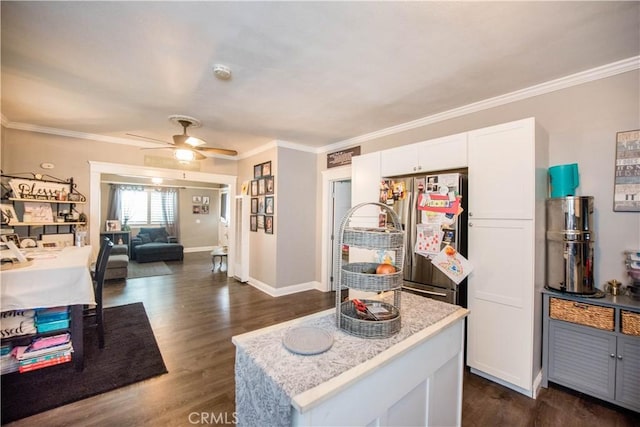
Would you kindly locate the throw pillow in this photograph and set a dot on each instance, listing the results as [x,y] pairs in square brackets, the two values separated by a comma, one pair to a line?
[161,240]
[144,237]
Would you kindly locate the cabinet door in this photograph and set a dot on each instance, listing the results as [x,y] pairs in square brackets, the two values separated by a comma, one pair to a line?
[399,161]
[582,358]
[502,178]
[365,188]
[438,154]
[628,371]
[500,300]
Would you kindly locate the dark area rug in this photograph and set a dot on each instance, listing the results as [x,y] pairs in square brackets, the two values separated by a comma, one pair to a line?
[147,269]
[131,354]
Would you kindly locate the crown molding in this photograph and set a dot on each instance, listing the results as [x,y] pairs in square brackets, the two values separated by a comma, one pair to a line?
[604,71]
[73,134]
[279,143]
[593,74]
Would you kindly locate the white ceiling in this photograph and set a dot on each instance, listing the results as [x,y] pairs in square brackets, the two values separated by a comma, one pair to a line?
[311,73]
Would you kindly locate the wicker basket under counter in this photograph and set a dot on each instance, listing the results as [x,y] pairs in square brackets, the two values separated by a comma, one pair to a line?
[630,322]
[582,313]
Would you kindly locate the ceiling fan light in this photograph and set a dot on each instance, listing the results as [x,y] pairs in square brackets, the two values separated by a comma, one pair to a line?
[184,155]
[193,141]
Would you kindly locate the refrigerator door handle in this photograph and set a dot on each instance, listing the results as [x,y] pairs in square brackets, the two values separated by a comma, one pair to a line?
[438,294]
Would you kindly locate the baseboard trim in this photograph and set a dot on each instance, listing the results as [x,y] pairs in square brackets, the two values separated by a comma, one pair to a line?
[286,290]
[528,393]
[199,249]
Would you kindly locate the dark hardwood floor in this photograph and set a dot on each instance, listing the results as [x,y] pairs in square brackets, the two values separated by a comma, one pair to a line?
[195,312]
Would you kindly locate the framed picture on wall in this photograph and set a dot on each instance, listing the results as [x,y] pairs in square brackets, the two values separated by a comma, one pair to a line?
[268,205]
[260,221]
[254,188]
[261,205]
[268,224]
[253,222]
[195,209]
[205,200]
[262,186]
[626,187]
[196,199]
[266,169]
[254,205]
[269,184]
[204,209]
[257,171]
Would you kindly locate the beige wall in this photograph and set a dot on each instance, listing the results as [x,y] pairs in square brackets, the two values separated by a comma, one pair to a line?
[263,247]
[24,151]
[581,122]
[296,213]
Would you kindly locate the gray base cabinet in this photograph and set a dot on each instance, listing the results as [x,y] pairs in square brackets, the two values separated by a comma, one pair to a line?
[591,359]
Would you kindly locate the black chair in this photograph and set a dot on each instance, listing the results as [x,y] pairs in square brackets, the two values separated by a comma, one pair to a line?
[98,282]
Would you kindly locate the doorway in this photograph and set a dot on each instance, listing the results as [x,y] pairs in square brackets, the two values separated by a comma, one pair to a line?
[96,169]
[341,203]
[330,176]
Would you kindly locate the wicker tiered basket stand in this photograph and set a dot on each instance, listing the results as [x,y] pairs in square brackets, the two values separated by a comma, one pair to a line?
[358,275]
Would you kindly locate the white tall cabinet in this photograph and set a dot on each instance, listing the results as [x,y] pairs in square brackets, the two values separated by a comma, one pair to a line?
[506,243]
[365,188]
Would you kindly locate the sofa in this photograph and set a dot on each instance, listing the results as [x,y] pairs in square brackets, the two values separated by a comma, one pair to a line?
[155,244]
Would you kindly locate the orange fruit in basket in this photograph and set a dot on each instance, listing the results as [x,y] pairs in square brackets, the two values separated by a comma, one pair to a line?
[449,251]
[385,269]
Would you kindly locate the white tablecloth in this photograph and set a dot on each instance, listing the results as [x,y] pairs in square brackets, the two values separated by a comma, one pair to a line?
[49,282]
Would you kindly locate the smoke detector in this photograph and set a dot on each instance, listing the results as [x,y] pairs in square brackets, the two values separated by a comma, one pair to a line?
[222,72]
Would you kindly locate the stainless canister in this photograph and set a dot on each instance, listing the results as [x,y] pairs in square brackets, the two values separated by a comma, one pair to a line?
[570,244]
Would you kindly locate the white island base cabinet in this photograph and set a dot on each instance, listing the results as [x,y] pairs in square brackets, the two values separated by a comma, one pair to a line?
[413,378]
[420,387]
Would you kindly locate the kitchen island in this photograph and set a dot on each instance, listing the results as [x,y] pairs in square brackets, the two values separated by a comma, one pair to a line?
[411,378]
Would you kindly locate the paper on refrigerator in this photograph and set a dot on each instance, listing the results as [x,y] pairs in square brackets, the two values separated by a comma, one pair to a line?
[451,263]
[428,239]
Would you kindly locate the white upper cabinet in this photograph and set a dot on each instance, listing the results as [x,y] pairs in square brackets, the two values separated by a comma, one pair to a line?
[448,152]
[502,171]
[365,188]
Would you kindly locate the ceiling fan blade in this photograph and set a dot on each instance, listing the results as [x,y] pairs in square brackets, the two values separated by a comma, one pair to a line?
[189,140]
[148,138]
[168,147]
[217,151]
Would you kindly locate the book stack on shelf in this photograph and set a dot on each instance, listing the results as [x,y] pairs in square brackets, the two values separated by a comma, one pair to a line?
[23,348]
[43,352]
[8,363]
[52,319]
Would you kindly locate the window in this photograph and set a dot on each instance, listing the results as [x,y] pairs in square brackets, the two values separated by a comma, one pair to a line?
[144,207]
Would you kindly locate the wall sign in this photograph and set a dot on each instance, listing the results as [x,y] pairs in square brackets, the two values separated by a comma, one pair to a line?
[38,190]
[342,157]
[626,189]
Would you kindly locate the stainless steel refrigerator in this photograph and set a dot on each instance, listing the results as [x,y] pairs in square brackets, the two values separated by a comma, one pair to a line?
[408,196]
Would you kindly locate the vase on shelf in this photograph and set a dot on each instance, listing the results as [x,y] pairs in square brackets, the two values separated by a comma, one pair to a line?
[125,225]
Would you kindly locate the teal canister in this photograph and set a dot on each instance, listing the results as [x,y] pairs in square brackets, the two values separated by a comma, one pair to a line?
[564,180]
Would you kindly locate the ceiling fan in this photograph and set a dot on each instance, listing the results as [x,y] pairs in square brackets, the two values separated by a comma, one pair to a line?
[184,146]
